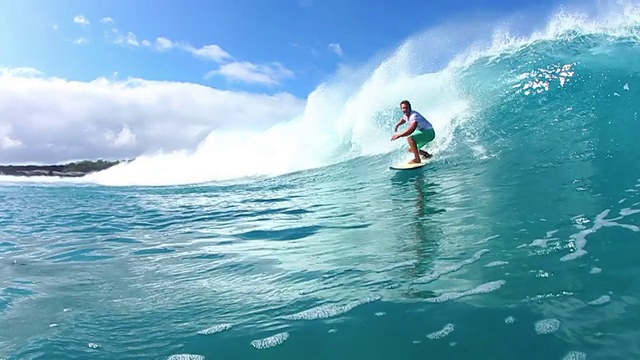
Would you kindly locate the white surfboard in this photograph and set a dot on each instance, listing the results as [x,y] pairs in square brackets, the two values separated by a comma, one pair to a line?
[406,165]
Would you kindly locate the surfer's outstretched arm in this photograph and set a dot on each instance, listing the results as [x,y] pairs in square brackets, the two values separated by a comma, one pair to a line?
[402,121]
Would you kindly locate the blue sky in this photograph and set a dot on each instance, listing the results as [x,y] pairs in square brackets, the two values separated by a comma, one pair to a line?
[259,45]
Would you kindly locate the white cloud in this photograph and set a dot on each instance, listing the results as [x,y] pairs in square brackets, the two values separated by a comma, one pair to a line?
[80,41]
[208,52]
[106,20]
[80,19]
[124,138]
[19,71]
[128,39]
[336,48]
[53,120]
[231,69]
[253,73]
[7,143]
[163,44]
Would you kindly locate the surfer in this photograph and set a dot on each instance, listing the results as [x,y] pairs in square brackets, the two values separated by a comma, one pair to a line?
[419,133]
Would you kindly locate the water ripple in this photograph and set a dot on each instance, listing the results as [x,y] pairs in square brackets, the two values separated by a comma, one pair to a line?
[214,272]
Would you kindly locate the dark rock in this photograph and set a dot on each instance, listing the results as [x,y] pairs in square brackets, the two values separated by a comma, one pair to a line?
[73,169]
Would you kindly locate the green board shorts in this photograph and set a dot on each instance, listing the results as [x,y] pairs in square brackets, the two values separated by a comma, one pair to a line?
[423,137]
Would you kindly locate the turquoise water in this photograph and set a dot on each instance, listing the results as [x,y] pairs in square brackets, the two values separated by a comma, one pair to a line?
[517,241]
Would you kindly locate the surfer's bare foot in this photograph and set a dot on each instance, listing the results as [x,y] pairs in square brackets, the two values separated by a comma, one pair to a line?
[414,161]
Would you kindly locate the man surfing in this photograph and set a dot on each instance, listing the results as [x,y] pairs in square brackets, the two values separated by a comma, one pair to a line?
[419,133]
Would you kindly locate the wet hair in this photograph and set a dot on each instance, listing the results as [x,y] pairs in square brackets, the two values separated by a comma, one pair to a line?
[406,102]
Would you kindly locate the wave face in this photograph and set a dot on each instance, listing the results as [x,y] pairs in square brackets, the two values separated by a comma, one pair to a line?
[568,96]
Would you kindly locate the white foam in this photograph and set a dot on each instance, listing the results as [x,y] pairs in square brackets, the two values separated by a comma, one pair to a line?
[629,211]
[540,79]
[580,238]
[330,310]
[186,357]
[497,263]
[575,355]
[604,299]
[215,329]
[541,273]
[486,240]
[547,326]
[574,255]
[270,341]
[480,289]
[445,331]
[509,320]
[617,19]
[543,242]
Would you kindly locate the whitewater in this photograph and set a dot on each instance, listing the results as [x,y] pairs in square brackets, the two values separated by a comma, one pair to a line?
[516,241]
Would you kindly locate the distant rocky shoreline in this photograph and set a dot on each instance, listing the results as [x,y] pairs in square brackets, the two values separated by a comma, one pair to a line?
[72,169]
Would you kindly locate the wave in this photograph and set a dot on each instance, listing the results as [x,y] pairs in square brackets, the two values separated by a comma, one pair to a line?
[486,86]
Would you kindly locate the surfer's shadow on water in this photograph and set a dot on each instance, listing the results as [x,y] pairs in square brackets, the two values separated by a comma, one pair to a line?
[416,193]
[417,180]
[417,186]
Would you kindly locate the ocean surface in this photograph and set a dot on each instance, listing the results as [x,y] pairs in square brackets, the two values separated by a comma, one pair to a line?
[517,241]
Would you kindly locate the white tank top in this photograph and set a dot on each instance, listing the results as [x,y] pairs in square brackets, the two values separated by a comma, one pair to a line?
[423,124]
